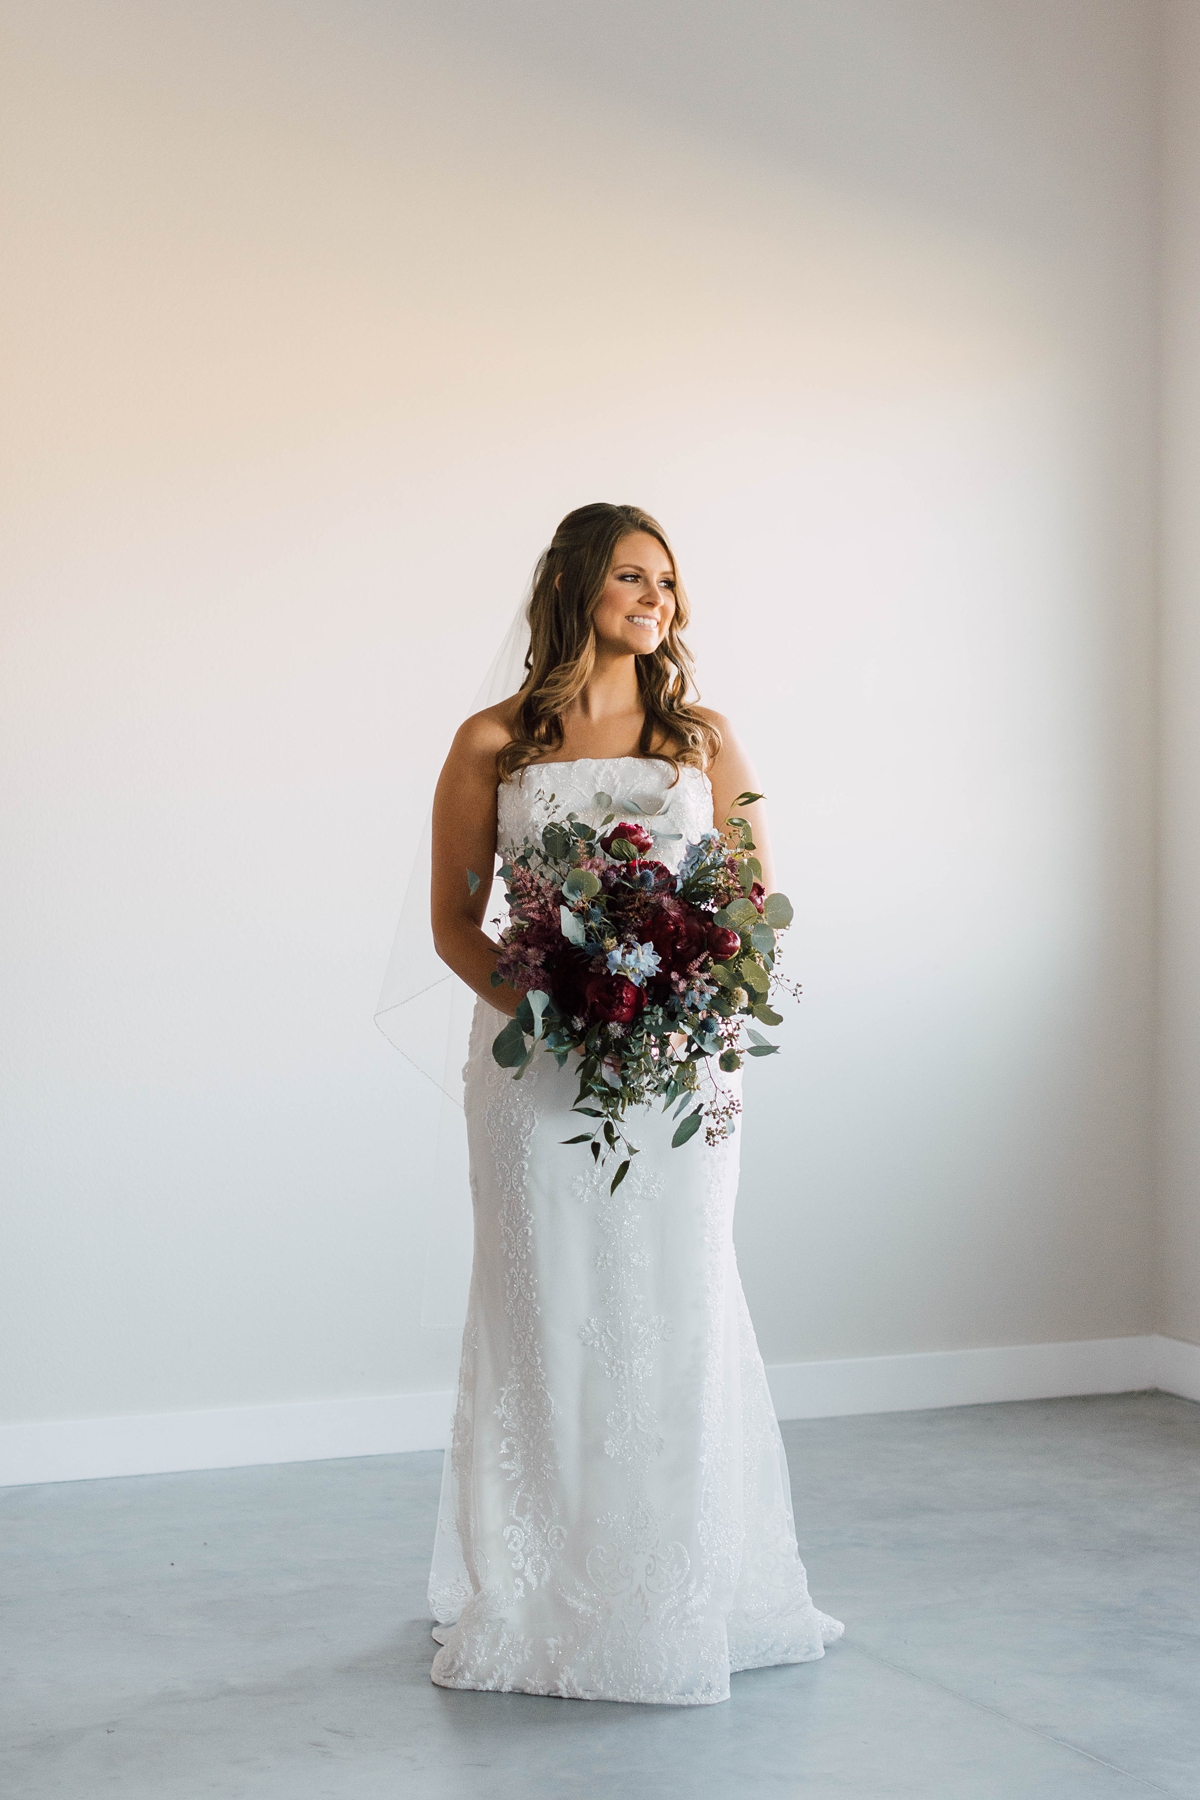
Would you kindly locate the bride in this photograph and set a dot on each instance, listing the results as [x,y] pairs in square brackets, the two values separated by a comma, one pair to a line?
[615,1521]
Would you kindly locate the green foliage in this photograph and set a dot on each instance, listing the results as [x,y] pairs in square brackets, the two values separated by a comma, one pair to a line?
[688,1129]
[763,939]
[509,1046]
[777,911]
[581,884]
[573,928]
[556,841]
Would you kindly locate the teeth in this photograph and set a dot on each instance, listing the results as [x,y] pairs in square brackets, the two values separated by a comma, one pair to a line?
[640,619]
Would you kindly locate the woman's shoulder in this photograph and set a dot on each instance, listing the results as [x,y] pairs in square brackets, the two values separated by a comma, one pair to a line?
[486,733]
[716,719]
[725,735]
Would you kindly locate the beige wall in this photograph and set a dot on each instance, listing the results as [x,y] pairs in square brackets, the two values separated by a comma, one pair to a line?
[326,313]
[1179,964]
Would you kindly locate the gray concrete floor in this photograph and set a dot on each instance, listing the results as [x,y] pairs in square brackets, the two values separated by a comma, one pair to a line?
[1020,1585]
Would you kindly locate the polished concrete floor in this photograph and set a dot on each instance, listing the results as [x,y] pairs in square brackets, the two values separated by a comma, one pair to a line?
[1020,1585]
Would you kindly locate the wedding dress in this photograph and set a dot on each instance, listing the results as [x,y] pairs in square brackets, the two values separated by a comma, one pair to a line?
[615,1520]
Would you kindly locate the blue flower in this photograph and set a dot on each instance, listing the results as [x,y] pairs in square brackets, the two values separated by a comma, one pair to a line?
[696,854]
[633,961]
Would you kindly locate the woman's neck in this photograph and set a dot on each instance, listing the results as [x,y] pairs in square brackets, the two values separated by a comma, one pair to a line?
[612,690]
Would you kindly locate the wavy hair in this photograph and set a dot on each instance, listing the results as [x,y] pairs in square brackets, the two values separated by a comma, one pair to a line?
[567,586]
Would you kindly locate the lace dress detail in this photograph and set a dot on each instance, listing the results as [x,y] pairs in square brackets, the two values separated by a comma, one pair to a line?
[616,1520]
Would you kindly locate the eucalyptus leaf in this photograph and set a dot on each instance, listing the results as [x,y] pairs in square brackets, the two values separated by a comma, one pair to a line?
[763,939]
[581,884]
[755,976]
[472,881]
[743,914]
[762,1050]
[688,1129]
[538,1000]
[619,1177]
[777,911]
[572,926]
[556,840]
[602,802]
[585,1137]
[767,1014]
[508,1048]
[747,799]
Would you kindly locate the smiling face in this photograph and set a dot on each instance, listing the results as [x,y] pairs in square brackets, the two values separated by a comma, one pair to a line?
[637,604]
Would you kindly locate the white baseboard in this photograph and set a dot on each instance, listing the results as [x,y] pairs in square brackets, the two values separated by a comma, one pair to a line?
[871,1384]
[314,1430]
[1176,1367]
[232,1438]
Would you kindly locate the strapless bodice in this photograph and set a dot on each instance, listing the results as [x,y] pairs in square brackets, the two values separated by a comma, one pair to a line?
[675,812]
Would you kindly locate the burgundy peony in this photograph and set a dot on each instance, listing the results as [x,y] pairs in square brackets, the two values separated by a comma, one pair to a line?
[678,933]
[758,894]
[613,999]
[723,944]
[636,835]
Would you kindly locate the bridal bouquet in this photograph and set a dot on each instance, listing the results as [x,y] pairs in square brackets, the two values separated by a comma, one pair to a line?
[646,974]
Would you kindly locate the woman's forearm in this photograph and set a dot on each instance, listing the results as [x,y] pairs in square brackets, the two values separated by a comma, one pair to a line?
[472,955]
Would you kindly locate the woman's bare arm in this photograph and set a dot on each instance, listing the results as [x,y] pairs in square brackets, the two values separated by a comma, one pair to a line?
[464,840]
[731,774]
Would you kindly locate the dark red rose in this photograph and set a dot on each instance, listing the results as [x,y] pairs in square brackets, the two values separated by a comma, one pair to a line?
[678,933]
[723,944]
[613,999]
[635,835]
[758,894]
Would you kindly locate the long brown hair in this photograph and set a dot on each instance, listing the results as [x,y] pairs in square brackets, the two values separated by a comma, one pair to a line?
[567,586]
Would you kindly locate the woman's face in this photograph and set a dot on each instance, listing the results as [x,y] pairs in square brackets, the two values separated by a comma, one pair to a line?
[638,601]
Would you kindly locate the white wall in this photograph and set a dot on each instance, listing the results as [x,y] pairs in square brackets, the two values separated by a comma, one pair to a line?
[329,312]
[1179,964]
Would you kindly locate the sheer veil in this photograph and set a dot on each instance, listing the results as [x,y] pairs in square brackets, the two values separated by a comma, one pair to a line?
[425,1011]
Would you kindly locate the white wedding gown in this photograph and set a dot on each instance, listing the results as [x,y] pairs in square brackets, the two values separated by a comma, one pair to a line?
[616,1521]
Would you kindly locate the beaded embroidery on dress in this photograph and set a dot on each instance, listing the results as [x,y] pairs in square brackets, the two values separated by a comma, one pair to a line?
[615,1520]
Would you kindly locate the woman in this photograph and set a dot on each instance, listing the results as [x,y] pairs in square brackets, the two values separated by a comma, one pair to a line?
[615,1521]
